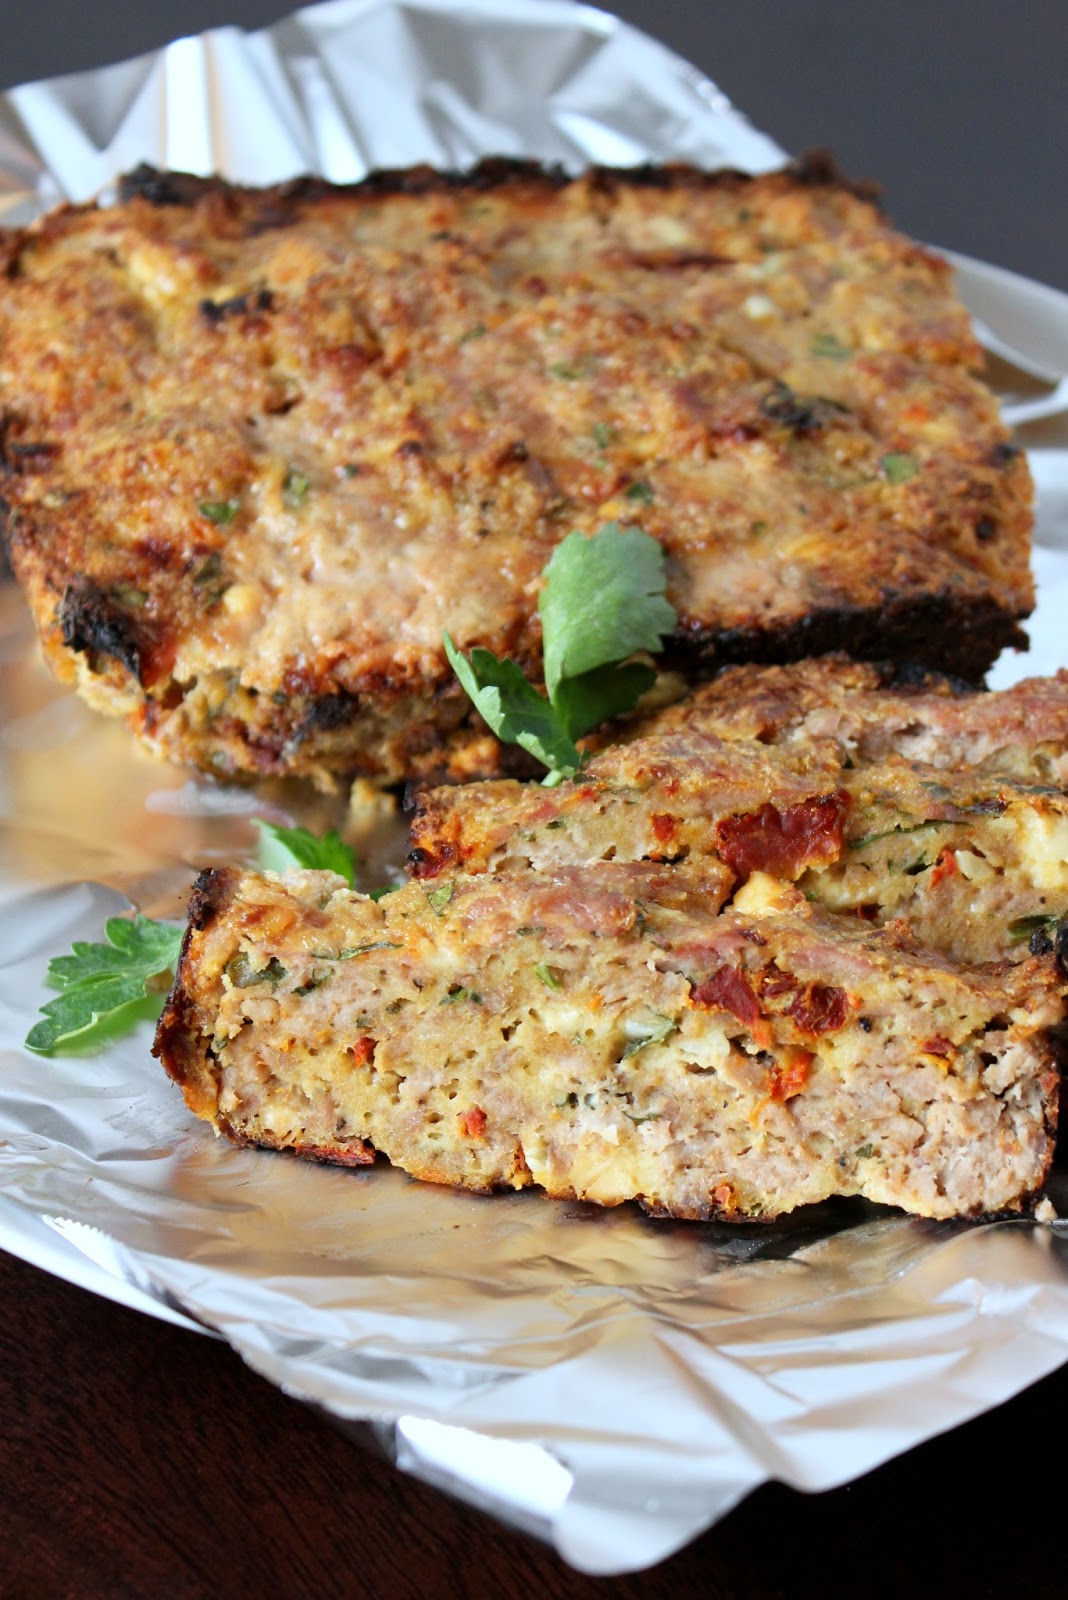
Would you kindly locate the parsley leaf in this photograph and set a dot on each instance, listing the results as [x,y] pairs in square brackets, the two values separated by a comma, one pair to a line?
[282,848]
[515,710]
[603,601]
[105,987]
[603,693]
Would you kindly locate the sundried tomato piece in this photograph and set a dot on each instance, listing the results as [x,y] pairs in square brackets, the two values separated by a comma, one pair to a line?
[728,990]
[820,1008]
[784,843]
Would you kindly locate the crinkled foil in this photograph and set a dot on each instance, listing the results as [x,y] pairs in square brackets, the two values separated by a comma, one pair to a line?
[612,1383]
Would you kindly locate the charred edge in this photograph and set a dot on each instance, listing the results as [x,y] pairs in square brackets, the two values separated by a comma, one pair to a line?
[146,182]
[941,632]
[422,862]
[179,1043]
[216,311]
[93,626]
[210,896]
[801,414]
[20,456]
[915,677]
[359,1154]
[326,715]
[816,169]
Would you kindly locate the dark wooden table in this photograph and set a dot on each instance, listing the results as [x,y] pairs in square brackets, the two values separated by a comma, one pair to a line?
[138,1460]
[142,1462]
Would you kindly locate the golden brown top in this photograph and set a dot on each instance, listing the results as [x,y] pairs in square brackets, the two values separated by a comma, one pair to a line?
[292,434]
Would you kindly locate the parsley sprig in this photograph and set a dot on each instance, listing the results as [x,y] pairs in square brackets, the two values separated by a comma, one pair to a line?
[282,848]
[107,988]
[602,602]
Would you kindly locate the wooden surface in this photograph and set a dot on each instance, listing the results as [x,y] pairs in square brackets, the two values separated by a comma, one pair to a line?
[142,1462]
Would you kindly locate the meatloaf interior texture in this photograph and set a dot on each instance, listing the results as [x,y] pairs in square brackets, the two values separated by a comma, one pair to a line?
[885,799]
[608,1033]
[260,447]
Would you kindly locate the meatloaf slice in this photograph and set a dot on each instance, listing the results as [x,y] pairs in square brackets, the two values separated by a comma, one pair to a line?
[604,1034]
[260,447]
[771,769]
[873,712]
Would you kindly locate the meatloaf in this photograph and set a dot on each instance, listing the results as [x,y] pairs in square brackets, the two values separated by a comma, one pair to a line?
[603,1033]
[812,774]
[260,447]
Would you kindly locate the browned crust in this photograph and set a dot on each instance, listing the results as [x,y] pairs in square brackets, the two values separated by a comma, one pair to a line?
[942,633]
[815,168]
[181,1043]
[938,573]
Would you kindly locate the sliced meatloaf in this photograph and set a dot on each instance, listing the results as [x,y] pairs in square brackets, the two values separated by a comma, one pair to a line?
[603,1033]
[811,774]
[260,447]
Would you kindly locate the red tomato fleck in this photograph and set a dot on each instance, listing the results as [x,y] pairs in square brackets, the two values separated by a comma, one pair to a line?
[820,1009]
[727,990]
[363,1051]
[664,827]
[945,867]
[473,1122]
[784,843]
[788,1080]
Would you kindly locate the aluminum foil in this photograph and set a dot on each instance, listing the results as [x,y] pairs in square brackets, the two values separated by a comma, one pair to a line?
[612,1383]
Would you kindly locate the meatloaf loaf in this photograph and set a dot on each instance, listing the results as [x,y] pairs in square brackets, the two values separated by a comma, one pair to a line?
[261,446]
[603,1033]
[821,774]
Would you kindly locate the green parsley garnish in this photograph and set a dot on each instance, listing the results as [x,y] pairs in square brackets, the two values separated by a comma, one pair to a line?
[603,601]
[476,332]
[106,988]
[295,486]
[282,848]
[899,467]
[547,975]
[220,511]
